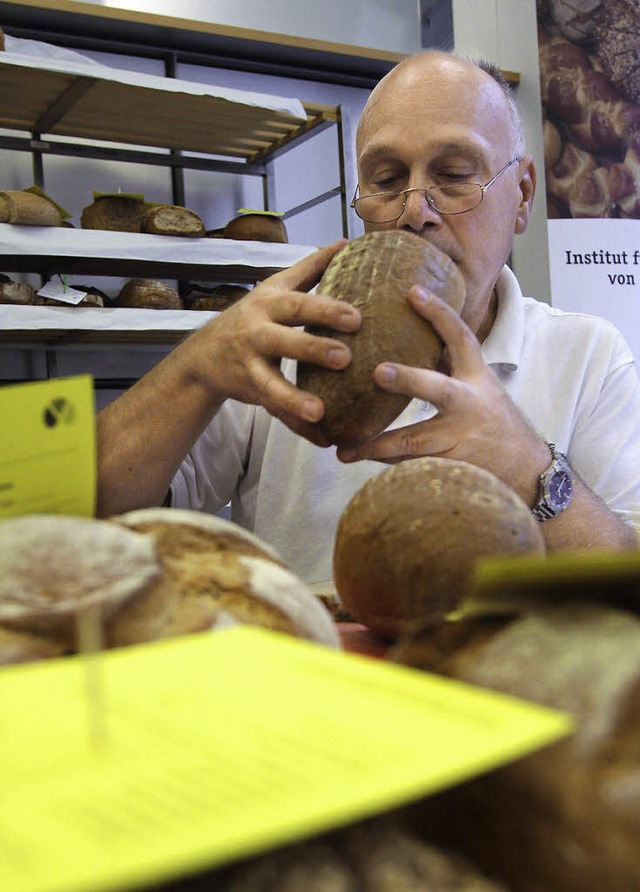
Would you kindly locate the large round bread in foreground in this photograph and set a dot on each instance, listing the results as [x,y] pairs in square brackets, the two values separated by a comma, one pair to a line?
[211,565]
[565,818]
[52,566]
[374,273]
[408,540]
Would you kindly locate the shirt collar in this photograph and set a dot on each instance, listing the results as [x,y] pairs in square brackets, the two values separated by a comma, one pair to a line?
[503,345]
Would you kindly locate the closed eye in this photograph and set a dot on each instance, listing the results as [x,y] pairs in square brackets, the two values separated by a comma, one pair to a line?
[387,184]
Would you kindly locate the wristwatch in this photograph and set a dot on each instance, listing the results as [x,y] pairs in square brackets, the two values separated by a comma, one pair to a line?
[556,487]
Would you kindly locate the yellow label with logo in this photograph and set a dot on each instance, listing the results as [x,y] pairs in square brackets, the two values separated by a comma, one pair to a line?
[48,448]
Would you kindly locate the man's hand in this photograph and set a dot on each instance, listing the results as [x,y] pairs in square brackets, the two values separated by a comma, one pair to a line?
[238,353]
[476,422]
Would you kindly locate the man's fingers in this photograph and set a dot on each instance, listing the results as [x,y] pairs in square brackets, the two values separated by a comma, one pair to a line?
[463,349]
[306,272]
[422,384]
[278,340]
[280,397]
[296,308]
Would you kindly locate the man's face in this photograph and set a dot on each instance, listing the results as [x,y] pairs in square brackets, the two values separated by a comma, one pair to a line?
[440,121]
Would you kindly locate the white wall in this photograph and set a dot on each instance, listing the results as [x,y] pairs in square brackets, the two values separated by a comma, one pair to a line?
[505,32]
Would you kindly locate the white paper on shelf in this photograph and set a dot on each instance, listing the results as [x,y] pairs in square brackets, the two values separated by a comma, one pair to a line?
[98,319]
[52,58]
[61,241]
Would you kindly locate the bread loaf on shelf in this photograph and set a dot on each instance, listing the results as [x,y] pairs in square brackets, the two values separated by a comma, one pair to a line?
[215,299]
[258,227]
[150,294]
[118,213]
[168,219]
[93,298]
[16,293]
[28,209]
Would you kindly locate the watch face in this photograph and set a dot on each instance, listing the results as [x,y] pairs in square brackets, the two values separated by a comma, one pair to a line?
[560,488]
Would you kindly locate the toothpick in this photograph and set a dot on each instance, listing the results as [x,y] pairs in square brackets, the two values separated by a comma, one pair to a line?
[90,645]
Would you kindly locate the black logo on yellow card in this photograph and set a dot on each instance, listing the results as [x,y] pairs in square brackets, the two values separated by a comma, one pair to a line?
[59,411]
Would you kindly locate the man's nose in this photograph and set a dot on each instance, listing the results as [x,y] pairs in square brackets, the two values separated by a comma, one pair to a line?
[417,211]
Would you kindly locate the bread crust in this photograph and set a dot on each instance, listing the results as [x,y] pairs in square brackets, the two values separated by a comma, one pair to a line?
[408,540]
[374,273]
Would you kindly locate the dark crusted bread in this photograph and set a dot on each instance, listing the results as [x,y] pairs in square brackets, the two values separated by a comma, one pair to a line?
[149,294]
[566,818]
[374,273]
[408,541]
[119,213]
[258,227]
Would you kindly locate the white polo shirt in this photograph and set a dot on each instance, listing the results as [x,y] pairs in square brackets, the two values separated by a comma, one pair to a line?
[571,374]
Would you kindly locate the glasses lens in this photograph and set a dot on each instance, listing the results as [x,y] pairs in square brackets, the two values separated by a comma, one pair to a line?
[455,198]
[381,207]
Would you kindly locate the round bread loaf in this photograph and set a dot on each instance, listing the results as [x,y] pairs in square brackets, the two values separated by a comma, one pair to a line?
[118,213]
[258,227]
[149,294]
[26,647]
[52,566]
[375,855]
[408,540]
[374,273]
[564,818]
[211,565]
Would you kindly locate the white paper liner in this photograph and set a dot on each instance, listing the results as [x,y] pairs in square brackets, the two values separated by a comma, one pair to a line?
[43,56]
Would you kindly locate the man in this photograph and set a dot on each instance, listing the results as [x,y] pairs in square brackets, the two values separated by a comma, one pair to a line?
[521,375]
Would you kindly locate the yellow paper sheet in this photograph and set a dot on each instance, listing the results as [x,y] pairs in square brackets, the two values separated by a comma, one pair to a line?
[47,448]
[221,745]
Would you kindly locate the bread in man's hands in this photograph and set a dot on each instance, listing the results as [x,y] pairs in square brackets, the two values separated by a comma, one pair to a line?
[374,273]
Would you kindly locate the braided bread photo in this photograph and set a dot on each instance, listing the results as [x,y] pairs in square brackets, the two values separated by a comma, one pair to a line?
[589,54]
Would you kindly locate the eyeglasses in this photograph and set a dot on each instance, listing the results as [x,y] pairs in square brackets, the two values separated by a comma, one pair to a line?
[450,199]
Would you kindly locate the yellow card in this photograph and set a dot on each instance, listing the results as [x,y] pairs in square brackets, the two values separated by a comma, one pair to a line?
[48,448]
[514,583]
[220,745]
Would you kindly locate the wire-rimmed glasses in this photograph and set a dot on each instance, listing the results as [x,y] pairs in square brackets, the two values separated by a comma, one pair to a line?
[449,199]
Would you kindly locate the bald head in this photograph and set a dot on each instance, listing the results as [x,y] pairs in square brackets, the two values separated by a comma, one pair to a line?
[415,73]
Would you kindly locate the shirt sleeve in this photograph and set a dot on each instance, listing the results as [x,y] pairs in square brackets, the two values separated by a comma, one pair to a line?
[605,447]
[210,473]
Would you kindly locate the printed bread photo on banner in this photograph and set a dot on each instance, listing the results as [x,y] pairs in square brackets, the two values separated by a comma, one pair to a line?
[590,88]
[589,57]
